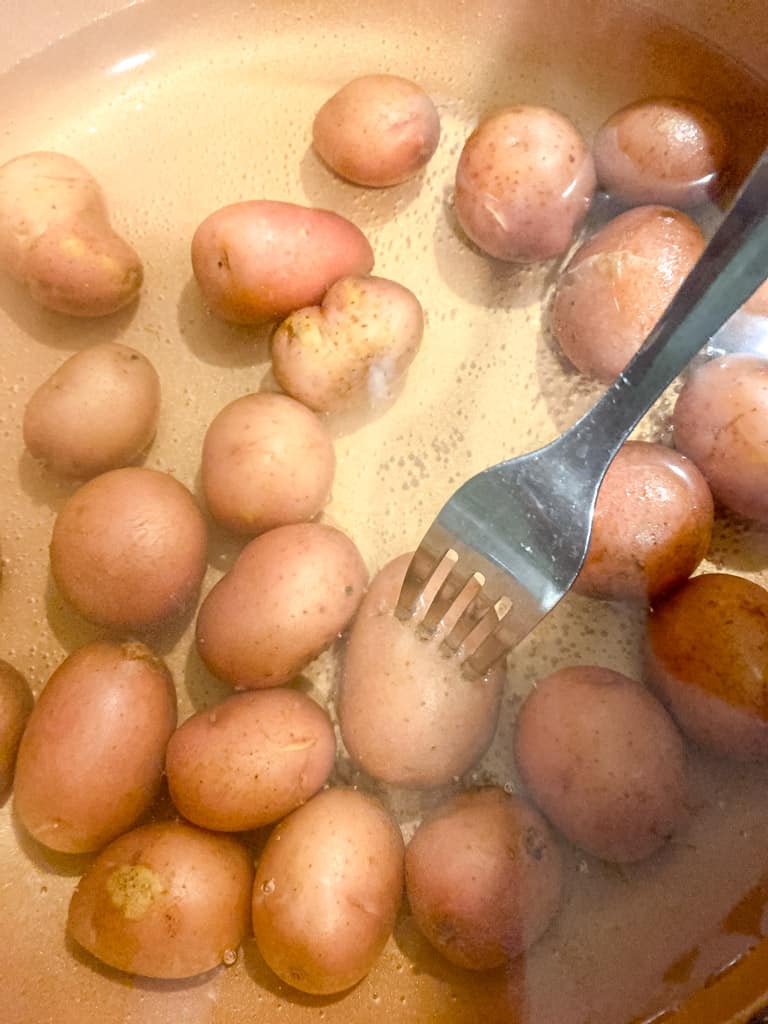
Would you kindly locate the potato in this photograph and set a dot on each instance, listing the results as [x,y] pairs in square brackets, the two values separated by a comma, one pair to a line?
[267,461]
[91,758]
[603,760]
[165,901]
[707,658]
[291,592]
[483,876]
[757,305]
[260,260]
[98,411]
[129,548]
[16,703]
[619,283]
[251,760]
[357,345]
[652,525]
[720,421]
[56,239]
[661,151]
[327,891]
[410,717]
[377,130]
[524,183]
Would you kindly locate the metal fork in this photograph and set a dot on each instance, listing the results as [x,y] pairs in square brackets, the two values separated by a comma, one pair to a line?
[509,543]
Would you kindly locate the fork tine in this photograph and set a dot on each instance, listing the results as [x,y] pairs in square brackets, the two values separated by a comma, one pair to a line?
[423,569]
[455,596]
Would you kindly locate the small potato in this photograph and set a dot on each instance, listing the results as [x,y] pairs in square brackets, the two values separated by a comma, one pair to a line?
[98,411]
[327,890]
[91,758]
[652,525]
[56,239]
[357,345]
[291,592]
[720,421]
[129,548]
[603,760]
[524,183]
[251,760]
[661,151]
[164,901]
[267,461]
[260,260]
[16,703]
[483,876]
[619,283]
[758,303]
[377,130]
[707,658]
[409,716]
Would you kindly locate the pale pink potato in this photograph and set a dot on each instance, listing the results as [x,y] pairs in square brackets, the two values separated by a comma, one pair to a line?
[524,183]
[356,346]
[619,283]
[267,461]
[758,302]
[377,130]
[260,260]
[410,717]
[707,658]
[16,703]
[721,422]
[483,875]
[661,150]
[652,525]
[290,594]
[604,761]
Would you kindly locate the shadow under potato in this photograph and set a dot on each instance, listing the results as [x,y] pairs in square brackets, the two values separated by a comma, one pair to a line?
[68,865]
[264,977]
[203,689]
[215,341]
[43,486]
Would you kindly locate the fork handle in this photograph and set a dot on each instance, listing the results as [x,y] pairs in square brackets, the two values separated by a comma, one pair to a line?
[731,267]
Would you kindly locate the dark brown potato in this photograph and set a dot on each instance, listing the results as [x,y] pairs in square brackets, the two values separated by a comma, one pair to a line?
[16,703]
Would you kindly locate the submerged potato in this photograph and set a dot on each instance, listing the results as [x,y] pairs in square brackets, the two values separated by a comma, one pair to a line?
[483,877]
[91,758]
[16,703]
[165,901]
[410,718]
[98,411]
[327,890]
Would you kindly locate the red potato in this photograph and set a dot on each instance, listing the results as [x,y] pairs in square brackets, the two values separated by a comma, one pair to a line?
[16,703]
[357,345]
[377,130]
[91,758]
[483,876]
[524,183]
[604,762]
[260,260]
[652,525]
[661,151]
[164,901]
[758,303]
[707,658]
[291,593]
[267,461]
[619,283]
[720,421]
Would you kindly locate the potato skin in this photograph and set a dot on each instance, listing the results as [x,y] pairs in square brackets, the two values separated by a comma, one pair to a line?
[165,901]
[483,875]
[91,758]
[259,260]
[129,548]
[16,703]
[377,130]
[97,412]
[356,345]
[56,239]
[267,461]
[327,891]
[652,525]
[707,659]
[603,760]
[410,718]
[250,760]
[524,183]
[290,593]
